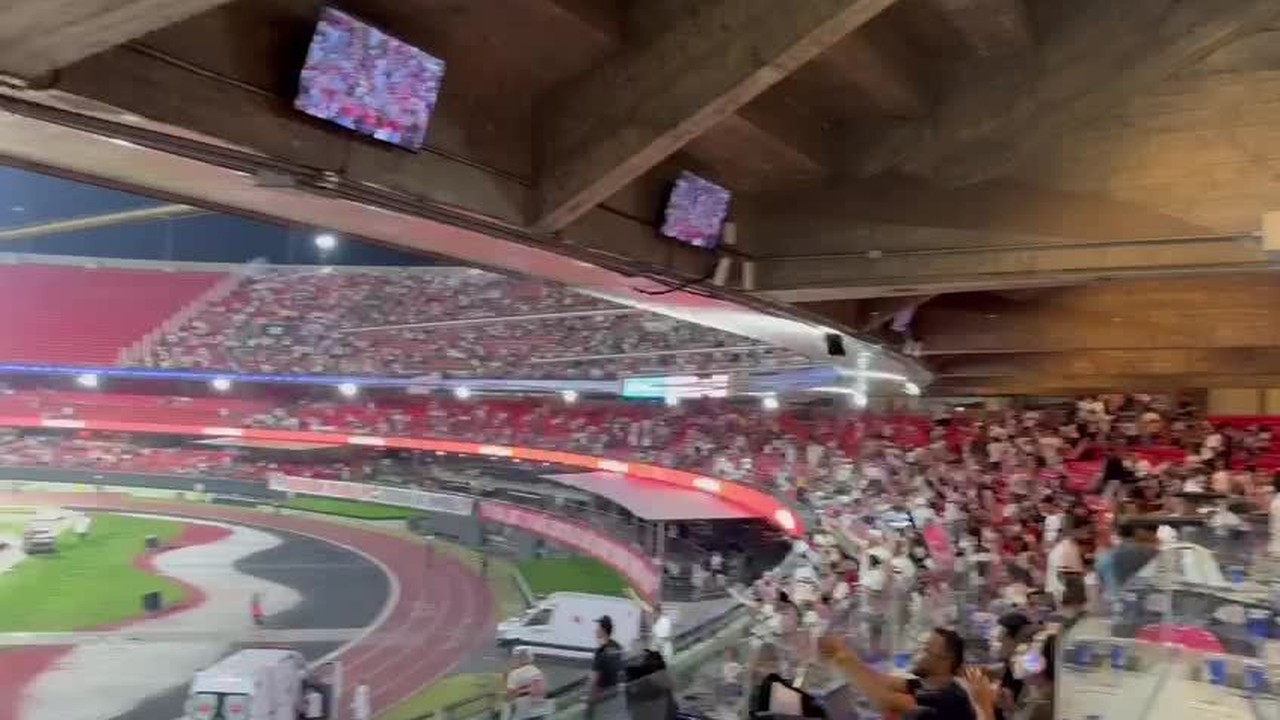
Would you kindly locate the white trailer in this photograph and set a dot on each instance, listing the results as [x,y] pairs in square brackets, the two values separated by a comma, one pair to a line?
[564,624]
[253,684]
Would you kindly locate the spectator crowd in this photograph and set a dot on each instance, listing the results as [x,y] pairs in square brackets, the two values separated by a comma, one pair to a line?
[1030,511]
[441,321]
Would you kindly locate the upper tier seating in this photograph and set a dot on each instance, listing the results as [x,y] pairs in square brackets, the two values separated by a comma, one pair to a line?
[413,321]
[86,316]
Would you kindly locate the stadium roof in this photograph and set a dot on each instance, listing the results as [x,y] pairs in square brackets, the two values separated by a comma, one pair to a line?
[652,500]
[1064,195]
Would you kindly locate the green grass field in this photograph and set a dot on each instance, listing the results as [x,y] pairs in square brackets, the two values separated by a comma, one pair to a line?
[350,508]
[86,585]
[572,574]
[445,692]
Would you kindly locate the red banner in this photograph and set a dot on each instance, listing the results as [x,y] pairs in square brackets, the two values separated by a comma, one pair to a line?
[640,571]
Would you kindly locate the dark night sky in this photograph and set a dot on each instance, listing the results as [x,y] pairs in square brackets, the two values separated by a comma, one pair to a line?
[28,198]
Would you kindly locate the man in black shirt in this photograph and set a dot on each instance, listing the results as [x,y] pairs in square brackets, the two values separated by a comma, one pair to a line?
[604,700]
[934,685]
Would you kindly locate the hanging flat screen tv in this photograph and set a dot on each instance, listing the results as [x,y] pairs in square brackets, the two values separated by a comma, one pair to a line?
[696,211]
[363,79]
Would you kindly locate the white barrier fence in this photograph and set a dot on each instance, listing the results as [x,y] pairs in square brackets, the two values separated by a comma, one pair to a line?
[363,492]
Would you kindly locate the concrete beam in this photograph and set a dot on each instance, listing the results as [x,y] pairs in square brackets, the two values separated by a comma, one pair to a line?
[1184,148]
[1057,385]
[990,27]
[937,260]
[174,100]
[599,16]
[603,130]
[1098,57]
[881,70]
[754,155]
[1232,311]
[40,36]
[1103,363]
[174,96]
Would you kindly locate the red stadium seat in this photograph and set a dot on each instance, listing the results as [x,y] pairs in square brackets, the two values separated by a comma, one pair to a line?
[86,316]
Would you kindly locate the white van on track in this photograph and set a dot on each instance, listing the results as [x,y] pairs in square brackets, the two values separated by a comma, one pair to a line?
[253,684]
[564,624]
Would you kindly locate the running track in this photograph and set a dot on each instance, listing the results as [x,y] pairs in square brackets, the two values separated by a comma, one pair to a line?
[443,611]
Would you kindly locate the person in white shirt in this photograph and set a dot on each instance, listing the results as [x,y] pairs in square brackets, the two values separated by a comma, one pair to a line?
[662,629]
[361,703]
[526,688]
[1065,557]
[1052,526]
[81,526]
[1212,445]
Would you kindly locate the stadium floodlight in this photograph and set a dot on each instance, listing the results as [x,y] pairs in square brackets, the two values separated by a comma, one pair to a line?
[221,384]
[87,380]
[326,242]
[570,396]
[348,389]
[462,392]
[769,402]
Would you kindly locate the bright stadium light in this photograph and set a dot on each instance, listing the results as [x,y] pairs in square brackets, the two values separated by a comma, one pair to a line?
[769,402]
[569,396]
[326,242]
[87,380]
[348,389]
[462,392]
[911,389]
[221,384]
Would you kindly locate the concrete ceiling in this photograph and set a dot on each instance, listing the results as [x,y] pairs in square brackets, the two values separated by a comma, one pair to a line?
[1052,165]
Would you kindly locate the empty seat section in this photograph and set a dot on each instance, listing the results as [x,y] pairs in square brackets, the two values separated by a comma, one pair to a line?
[86,316]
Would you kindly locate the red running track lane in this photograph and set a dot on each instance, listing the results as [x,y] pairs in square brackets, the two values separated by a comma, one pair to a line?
[442,613]
[21,665]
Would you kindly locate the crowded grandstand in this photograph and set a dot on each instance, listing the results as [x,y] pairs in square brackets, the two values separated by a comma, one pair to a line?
[831,530]
[622,360]
[926,520]
[456,322]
